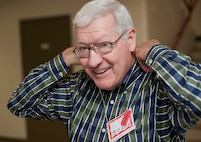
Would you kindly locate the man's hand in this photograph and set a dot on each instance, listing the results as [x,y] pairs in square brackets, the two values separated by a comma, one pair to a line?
[69,57]
[141,53]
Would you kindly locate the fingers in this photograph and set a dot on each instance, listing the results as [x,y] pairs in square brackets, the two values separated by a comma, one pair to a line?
[141,53]
[69,57]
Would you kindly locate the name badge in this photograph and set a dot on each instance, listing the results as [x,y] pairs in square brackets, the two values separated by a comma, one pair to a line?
[120,126]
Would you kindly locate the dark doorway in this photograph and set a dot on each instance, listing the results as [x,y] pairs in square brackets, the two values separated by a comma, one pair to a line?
[41,40]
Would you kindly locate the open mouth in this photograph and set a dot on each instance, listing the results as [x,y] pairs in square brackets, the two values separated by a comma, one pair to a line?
[101,71]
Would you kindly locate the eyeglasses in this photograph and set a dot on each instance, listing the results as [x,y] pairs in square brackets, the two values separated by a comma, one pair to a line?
[83,51]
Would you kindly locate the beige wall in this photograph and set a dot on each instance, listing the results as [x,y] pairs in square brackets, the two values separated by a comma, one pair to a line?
[10,54]
[165,20]
[196,21]
[11,11]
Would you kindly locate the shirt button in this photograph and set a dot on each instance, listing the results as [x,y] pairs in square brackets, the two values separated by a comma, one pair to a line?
[103,130]
[150,61]
[112,102]
[125,92]
[60,74]
[157,76]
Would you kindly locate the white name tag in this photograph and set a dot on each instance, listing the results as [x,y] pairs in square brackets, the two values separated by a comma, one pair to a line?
[120,126]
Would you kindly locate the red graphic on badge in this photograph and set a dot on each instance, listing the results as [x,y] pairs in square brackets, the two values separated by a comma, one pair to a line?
[126,117]
[120,126]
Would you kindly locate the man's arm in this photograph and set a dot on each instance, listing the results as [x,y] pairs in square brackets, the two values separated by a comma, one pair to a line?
[180,77]
[142,51]
[32,98]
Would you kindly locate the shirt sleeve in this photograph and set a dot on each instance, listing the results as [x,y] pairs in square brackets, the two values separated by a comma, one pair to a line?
[181,81]
[36,95]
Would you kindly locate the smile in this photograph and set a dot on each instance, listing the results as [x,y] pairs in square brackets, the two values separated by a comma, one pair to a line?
[101,71]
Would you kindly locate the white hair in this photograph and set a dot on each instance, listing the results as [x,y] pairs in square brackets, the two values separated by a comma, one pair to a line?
[96,8]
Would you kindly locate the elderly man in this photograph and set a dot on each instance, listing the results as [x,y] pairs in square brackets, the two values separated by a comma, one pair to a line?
[124,93]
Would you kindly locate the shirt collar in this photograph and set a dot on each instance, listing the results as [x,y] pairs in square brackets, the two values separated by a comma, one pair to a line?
[134,73]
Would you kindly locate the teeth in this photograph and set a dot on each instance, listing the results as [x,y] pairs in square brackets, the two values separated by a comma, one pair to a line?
[101,71]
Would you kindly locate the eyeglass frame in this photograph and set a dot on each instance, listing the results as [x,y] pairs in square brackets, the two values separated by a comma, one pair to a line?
[90,47]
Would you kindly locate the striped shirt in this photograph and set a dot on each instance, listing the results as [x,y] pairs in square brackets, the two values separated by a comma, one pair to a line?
[164,103]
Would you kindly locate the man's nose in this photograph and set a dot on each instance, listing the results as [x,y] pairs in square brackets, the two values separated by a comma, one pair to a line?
[94,59]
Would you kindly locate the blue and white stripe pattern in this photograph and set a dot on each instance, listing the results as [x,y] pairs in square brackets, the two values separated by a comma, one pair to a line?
[164,103]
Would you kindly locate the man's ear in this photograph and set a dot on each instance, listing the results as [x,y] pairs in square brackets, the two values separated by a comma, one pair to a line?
[131,36]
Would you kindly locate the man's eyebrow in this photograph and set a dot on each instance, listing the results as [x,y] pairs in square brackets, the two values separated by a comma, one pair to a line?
[83,43]
[101,39]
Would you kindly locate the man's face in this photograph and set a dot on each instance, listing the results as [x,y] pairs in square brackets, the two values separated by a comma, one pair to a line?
[107,70]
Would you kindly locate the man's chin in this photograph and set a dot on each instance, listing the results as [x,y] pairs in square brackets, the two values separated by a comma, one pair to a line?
[105,86]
